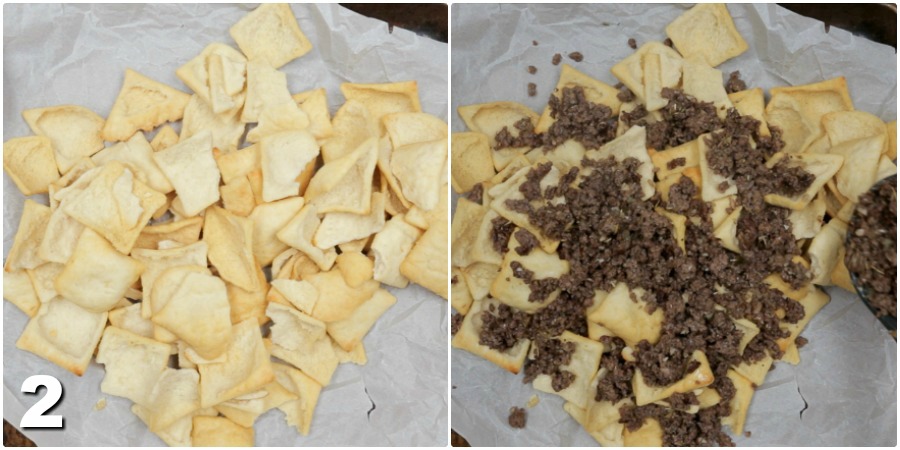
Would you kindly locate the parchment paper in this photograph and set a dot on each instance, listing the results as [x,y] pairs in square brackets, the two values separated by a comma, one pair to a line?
[78,54]
[844,392]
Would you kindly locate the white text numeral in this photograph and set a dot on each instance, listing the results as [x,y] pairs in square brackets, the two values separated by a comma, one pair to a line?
[34,417]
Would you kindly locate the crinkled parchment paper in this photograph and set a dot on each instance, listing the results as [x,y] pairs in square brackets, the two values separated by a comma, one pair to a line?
[844,392]
[78,54]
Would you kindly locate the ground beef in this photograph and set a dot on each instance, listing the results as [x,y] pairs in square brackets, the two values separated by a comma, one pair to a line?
[519,271]
[591,124]
[683,198]
[683,402]
[556,59]
[735,83]
[676,163]
[616,385]
[526,240]
[526,136]
[668,43]
[503,327]
[681,429]
[633,117]
[532,70]
[456,322]
[532,89]
[684,118]
[872,247]
[534,43]
[531,187]
[548,356]
[517,417]
[632,43]
[501,230]
[576,56]
[801,341]
[625,95]
[476,194]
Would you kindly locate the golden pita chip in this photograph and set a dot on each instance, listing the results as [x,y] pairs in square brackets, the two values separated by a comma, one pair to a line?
[751,102]
[490,118]
[814,301]
[355,267]
[706,31]
[227,75]
[460,297]
[74,132]
[249,304]
[861,158]
[700,377]
[390,247]
[64,334]
[806,222]
[30,163]
[199,294]
[230,240]
[158,261]
[97,276]
[29,234]
[479,277]
[349,332]
[510,288]
[137,155]
[129,319]
[237,164]
[315,104]
[353,124]
[339,227]
[426,264]
[690,151]
[174,396]
[60,237]
[482,248]
[237,197]
[271,33]
[191,168]
[196,73]
[823,251]
[470,155]
[628,318]
[338,299]
[17,288]
[650,434]
[303,295]
[267,91]
[298,413]
[226,130]
[411,127]
[595,330]
[630,70]
[467,339]
[245,409]
[384,98]
[726,232]
[281,117]
[886,168]
[583,364]
[595,91]
[165,138]
[268,220]
[798,110]
[185,231]
[345,184]
[142,104]
[284,156]
[844,126]
[418,169]
[220,432]
[302,341]
[466,225]
[133,364]
[247,367]
[890,148]
[840,276]
[424,219]
[705,83]
[43,278]
[299,232]
[608,436]
[740,403]
[822,166]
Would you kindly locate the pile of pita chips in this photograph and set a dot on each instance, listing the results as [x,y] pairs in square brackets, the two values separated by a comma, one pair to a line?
[845,150]
[151,254]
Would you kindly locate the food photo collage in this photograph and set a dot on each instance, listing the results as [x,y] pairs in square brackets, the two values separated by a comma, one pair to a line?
[435,225]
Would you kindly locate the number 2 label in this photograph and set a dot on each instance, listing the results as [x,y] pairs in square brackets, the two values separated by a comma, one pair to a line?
[34,417]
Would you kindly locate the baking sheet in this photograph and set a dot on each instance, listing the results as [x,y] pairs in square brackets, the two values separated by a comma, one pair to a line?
[844,391]
[61,54]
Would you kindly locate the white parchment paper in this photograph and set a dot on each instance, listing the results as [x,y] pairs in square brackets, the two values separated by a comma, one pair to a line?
[77,54]
[844,392]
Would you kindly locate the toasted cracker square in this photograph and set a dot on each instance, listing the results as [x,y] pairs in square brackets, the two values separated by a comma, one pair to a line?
[142,104]
[74,131]
[30,163]
[271,33]
[467,338]
[193,172]
[158,261]
[64,334]
[628,318]
[97,276]
[133,364]
[707,31]
[29,234]
[584,362]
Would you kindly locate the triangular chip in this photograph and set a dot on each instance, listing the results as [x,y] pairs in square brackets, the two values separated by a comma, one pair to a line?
[142,104]
[192,170]
[302,341]
[133,364]
[418,168]
[247,367]
[230,240]
[30,163]
[345,184]
[298,413]
[349,332]
[284,156]
[29,234]
[199,295]
[271,33]
[707,32]
[73,130]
